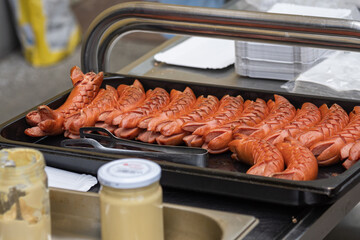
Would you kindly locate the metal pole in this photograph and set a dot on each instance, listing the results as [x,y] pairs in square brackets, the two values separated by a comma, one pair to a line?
[208,22]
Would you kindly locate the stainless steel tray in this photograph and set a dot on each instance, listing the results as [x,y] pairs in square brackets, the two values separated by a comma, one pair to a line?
[76,215]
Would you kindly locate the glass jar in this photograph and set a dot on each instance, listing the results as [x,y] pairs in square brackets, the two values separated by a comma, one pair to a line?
[24,195]
[131,200]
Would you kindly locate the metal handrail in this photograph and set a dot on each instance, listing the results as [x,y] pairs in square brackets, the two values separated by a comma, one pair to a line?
[124,18]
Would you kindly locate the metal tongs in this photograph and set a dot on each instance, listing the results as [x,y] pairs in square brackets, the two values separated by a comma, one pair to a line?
[92,136]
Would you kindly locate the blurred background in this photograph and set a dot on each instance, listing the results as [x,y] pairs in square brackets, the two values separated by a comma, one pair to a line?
[23,86]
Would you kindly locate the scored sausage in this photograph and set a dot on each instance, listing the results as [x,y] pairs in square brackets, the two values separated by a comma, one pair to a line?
[301,164]
[333,121]
[87,117]
[46,121]
[216,140]
[305,117]
[155,101]
[172,132]
[230,108]
[129,97]
[264,157]
[282,112]
[204,107]
[180,104]
[328,151]
[354,155]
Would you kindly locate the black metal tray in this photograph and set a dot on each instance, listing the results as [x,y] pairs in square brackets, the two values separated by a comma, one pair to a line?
[221,176]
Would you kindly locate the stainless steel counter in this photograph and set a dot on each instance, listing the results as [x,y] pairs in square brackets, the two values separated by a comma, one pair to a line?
[275,222]
[147,66]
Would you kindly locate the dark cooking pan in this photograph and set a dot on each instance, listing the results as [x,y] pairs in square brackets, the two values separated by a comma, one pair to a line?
[220,176]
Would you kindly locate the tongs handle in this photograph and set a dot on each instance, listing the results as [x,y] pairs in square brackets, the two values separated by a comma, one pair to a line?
[87,132]
[189,156]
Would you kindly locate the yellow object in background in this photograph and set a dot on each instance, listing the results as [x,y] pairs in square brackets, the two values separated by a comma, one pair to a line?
[47,29]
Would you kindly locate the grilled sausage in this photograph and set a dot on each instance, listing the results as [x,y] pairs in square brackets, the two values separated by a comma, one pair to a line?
[345,150]
[180,104]
[148,136]
[172,132]
[176,139]
[301,164]
[46,121]
[264,157]
[155,101]
[281,114]
[129,98]
[333,121]
[204,107]
[305,117]
[87,117]
[328,151]
[230,108]
[216,140]
[354,155]
[128,133]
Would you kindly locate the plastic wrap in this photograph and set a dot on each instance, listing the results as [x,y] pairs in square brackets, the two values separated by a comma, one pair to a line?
[285,62]
[337,75]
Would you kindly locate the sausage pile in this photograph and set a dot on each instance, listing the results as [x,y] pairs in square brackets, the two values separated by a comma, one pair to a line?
[274,137]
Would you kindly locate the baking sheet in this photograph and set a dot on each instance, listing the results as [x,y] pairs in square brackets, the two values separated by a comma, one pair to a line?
[222,175]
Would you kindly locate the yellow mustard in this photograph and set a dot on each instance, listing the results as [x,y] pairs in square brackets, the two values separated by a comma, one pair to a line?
[24,195]
[131,200]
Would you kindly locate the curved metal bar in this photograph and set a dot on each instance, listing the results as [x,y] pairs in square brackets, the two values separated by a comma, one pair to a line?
[220,23]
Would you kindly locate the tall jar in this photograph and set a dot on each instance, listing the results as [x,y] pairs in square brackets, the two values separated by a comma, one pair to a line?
[24,195]
[131,200]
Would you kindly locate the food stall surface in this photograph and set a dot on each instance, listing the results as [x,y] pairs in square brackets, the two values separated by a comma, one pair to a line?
[83,210]
[28,86]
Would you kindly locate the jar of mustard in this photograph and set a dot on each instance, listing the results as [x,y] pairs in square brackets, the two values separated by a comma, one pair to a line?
[131,200]
[24,195]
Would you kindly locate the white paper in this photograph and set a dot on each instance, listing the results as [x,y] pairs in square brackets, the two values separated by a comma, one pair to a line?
[287,8]
[200,52]
[59,178]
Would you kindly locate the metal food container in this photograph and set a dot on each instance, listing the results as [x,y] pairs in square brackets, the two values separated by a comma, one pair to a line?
[83,211]
[221,175]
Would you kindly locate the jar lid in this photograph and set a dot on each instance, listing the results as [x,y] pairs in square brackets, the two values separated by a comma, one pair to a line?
[129,173]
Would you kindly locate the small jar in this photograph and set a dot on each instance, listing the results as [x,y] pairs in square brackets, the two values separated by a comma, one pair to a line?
[24,195]
[131,200]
